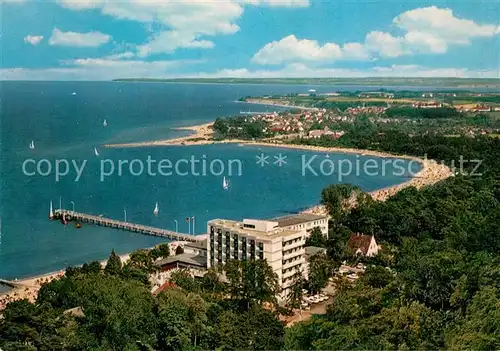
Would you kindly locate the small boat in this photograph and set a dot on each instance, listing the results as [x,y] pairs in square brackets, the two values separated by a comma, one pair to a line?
[105,123]
[32,145]
[96,152]
[156,210]
[51,211]
[73,93]
[225,183]
[78,225]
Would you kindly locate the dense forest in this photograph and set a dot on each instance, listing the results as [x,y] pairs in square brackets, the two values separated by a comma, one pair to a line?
[436,284]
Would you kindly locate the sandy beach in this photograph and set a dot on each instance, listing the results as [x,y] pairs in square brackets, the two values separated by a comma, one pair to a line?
[267,102]
[201,134]
[431,172]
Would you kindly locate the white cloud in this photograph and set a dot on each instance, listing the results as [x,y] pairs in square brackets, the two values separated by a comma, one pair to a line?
[443,23]
[427,30]
[33,39]
[107,69]
[14,2]
[187,20]
[299,70]
[384,44]
[170,41]
[292,49]
[90,39]
[120,56]
[97,69]
[277,3]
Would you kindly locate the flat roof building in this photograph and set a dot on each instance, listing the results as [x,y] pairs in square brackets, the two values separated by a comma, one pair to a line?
[252,239]
[305,221]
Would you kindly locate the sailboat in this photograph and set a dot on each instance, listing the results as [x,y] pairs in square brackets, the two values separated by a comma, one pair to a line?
[225,183]
[105,123]
[73,93]
[32,145]
[51,212]
[96,152]
[156,210]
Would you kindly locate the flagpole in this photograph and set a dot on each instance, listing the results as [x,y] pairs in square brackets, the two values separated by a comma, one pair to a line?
[193,224]
[189,225]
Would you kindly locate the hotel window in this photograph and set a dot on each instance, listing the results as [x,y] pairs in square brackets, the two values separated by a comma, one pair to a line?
[261,255]
[249,226]
[235,245]
[261,246]
[212,230]
[244,248]
[252,249]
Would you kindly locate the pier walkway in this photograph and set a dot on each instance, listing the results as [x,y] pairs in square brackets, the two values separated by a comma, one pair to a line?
[131,227]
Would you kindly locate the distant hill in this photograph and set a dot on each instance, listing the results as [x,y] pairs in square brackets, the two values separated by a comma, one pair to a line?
[438,82]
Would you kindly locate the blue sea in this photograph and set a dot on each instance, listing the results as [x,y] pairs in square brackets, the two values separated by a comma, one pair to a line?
[65,121]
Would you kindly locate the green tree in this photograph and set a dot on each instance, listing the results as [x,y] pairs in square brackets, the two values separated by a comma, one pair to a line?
[294,296]
[114,264]
[179,250]
[320,270]
[162,250]
[316,238]
[251,282]
[183,279]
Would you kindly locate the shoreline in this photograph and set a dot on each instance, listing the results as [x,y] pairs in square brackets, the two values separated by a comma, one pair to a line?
[431,172]
[266,102]
[28,287]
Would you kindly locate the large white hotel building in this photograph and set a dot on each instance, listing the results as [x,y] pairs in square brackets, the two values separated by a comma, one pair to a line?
[279,241]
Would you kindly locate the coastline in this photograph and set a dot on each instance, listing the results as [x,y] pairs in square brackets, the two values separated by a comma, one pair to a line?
[27,288]
[431,172]
[266,102]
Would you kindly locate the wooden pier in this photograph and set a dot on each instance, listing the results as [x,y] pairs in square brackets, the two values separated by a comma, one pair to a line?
[131,227]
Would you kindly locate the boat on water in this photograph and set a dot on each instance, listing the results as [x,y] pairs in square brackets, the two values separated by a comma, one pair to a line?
[105,123]
[51,211]
[73,93]
[96,152]
[78,225]
[156,210]
[32,145]
[225,183]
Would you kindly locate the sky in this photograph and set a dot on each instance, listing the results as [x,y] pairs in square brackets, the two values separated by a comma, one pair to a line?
[104,40]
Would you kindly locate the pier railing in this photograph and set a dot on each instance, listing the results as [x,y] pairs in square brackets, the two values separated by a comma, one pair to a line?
[69,215]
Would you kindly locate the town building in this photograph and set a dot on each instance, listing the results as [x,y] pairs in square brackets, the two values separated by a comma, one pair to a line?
[185,260]
[364,245]
[306,221]
[197,248]
[252,239]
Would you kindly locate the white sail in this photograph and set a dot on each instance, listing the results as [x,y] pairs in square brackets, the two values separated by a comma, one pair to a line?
[225,184]
[73,93]
[32,145]
[51,212]
[96,152]
[105,123]
[157,209]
